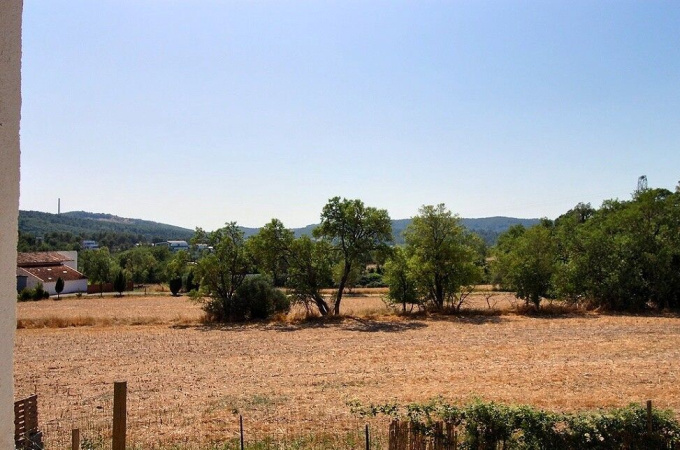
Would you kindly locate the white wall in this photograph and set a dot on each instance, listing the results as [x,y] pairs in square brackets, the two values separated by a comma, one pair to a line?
[73,255]
[10,112]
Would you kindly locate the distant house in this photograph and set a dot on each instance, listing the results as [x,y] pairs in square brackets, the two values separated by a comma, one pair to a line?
[89,245]
[46,268]
[174,246]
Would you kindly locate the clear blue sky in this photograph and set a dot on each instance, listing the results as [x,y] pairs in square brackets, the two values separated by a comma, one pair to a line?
[199,112]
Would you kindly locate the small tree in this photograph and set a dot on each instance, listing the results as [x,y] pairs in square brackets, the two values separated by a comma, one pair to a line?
[59,286]
[402,286]
[175,285]
[119,282]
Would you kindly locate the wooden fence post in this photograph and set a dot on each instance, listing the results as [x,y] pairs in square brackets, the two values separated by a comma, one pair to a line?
[119,414]
[368,440]
[240,421]
[75,439]
[649,416]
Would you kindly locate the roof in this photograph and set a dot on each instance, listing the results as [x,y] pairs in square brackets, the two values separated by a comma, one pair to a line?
[48,274]
[41,259]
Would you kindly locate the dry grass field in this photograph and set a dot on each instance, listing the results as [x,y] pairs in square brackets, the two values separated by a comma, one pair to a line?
[188,381]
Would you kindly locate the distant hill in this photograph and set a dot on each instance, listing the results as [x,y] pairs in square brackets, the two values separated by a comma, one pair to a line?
[88,224]
[489,228]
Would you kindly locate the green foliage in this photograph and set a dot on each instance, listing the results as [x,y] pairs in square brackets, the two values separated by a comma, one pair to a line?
[175,284]
[526,262]
[355,231]
[35,294]
[489,425]
[97,265]
[59,286]
[139,264]
[624,256]
[119,282]
[310,270]
[222,271]
[269,249]
[442,257]
[399,279]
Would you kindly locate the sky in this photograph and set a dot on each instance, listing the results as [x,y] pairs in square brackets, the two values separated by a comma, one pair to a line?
[201,112]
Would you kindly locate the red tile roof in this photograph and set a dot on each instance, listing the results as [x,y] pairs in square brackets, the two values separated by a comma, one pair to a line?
[40,259]
[51,273]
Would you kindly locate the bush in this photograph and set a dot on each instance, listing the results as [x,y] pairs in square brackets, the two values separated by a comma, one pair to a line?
[25,295]
[35,294]
[255,299]
[489,425]
[175,285]
[259,299]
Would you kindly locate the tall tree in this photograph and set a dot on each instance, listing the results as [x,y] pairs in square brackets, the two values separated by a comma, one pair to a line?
[98,266]
[354,230]
[529,263]
[119,282]
[59,286]
[223,270]
[270,250]
[310,270]
[442,256]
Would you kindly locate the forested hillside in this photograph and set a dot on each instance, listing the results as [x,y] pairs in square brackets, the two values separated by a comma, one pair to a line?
[66,230]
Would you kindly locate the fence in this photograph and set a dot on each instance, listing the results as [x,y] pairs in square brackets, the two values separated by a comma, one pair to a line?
[410,436]
[26,433]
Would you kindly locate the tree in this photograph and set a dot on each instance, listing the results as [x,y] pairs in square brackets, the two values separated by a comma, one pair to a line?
[175,285]
[138,263]
[59,286]
[222,271]
[119,282]
[442,256]
[269,249]
[98,266]
[309,271]
[402,286]
[528,261]
[355,231]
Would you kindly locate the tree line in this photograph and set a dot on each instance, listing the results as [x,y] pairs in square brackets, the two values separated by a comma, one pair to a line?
[623,256]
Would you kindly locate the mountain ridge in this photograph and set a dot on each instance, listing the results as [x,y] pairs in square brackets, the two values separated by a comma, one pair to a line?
[88,224]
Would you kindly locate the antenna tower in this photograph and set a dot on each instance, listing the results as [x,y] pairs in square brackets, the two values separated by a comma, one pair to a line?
[642,183]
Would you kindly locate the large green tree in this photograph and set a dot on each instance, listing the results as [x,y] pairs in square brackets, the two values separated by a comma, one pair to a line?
[270,249]
[443,257]
[98,266]
[354,230]
[310,270]
[528,262]
[223,270]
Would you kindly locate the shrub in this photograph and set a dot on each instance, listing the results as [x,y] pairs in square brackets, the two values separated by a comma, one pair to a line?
[175,285]
[256,298]
[25,295]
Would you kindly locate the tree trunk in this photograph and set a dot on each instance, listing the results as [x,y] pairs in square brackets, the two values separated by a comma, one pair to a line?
[322,305]
[341,288]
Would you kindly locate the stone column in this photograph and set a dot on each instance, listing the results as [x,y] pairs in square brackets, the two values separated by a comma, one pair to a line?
[10,112]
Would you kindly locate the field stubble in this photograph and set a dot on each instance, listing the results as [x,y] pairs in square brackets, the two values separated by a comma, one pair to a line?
[188,381]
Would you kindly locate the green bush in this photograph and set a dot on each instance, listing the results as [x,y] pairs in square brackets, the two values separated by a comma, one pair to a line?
[175,285]
[25,295]
[257,298]
[489,425]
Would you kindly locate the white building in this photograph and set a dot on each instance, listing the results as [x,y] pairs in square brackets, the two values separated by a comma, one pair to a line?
[47,268]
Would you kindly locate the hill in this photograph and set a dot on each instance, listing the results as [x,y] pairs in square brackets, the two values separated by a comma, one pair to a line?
[89,225]
[86,225]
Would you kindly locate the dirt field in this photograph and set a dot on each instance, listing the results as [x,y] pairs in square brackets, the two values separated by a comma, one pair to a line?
[187,382]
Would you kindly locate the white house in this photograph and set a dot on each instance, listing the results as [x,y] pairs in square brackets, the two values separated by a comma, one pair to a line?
[47,268]
[174,246]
